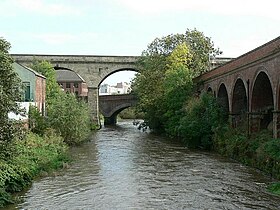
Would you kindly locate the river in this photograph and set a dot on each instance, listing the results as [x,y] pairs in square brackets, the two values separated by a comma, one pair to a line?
[124,168]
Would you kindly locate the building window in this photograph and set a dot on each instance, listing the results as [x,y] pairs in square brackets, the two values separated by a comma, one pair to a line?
[76,85]
[27,94]
[68,85]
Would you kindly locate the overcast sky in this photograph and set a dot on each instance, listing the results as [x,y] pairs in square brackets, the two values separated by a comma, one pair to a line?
[126,27]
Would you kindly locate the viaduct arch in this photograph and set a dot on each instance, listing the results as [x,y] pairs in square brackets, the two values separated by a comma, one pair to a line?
[249,85]
[94,70]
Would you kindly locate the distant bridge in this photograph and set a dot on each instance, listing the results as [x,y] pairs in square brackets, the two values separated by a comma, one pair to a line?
[111,105]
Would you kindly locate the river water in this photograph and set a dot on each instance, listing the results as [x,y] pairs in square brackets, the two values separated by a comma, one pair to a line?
[124,168]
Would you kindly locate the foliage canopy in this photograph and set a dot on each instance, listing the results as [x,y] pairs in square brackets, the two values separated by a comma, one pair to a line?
[164,82]
[67,115]
[10,92]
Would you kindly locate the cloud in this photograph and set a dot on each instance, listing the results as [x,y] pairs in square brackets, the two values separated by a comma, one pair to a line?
[42,7]
[238,7]
[238,47]
[65,38]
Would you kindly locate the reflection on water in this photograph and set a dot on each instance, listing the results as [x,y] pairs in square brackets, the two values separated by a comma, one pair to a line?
[124,168]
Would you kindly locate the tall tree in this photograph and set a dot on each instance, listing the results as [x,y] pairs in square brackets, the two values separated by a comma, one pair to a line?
[67,115]
[166,69]
[10,92]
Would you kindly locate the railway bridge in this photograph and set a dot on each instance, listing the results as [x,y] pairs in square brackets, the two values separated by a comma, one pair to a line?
[249,87]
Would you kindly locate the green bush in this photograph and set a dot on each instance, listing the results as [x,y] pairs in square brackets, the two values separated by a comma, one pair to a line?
[202,117]
[28,158]
[67,115]
[70,118]
[275,188]
[259,150]
[37,122]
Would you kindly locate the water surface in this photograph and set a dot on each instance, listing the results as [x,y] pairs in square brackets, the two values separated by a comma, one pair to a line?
[124,168]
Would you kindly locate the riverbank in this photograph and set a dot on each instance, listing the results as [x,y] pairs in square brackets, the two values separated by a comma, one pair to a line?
[258,150]
[124,168]
[24,159]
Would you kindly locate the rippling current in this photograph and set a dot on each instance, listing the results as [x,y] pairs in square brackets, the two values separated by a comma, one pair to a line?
[124,168]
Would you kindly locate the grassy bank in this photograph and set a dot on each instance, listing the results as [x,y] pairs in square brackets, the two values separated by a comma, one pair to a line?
[26,158]
[258,150]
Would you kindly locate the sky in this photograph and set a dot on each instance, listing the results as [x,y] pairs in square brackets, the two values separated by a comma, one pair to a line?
[126,27]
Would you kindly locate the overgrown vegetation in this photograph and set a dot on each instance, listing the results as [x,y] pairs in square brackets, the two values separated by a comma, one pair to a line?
[26,158]
[164,83]
[202,117]
[166,98]
[130,113]
[10,92]
[259,150]
[67,115]
[26,154]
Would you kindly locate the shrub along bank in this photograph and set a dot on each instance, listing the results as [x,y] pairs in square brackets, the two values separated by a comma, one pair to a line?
[26,158]
[259,150]
[204,125]
[165,89]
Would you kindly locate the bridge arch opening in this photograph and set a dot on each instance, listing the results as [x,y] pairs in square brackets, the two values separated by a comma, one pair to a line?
[209,90]
[262,100]
[239,103]
[117,82]
[114,93]
[223,97]
[239,98]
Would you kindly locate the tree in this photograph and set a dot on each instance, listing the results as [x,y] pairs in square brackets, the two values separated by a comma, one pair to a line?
[52,88]
[166,69]
[68,116]
[10,92]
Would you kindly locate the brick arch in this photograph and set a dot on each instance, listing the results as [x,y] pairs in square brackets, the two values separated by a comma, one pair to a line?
[262,93]
[106,74]
[262,100]
[210,90]
[239,102]
[239,97]
[223,98]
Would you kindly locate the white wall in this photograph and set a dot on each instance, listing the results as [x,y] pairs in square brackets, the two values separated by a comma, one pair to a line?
[23,105]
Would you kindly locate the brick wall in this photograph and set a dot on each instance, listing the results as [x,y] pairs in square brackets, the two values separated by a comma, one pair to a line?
[40,94]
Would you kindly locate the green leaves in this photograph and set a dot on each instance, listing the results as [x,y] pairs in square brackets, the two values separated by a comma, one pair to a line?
[10,92]
[67,115]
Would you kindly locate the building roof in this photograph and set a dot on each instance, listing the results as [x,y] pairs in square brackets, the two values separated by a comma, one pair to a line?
[20,67]
[65,75]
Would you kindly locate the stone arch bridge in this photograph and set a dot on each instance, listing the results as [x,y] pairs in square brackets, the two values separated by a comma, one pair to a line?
[112,105]
[249,87]
[93,69]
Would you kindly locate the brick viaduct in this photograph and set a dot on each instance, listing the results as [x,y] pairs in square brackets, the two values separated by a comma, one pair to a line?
[249,86]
